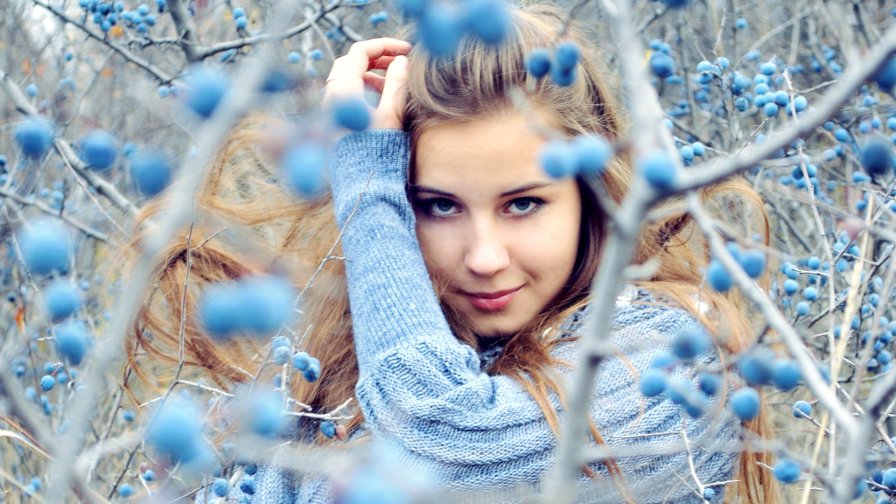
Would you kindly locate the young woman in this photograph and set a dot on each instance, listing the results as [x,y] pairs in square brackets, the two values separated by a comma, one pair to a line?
[454,316]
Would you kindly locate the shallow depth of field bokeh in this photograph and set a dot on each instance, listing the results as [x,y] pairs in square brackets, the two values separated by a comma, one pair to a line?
[128,92]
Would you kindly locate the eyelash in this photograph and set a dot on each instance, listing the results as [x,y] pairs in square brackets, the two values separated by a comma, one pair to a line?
[427,206]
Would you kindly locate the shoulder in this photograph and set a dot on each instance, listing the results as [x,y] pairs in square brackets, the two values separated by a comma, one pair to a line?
[642,331]
[638,312]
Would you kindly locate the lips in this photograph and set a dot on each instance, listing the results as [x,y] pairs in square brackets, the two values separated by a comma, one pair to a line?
[491,295]
[491,301]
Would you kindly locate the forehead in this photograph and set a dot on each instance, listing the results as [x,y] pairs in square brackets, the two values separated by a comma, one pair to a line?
[489,151]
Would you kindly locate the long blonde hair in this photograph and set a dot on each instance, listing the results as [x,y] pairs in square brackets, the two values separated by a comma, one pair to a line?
[240,205]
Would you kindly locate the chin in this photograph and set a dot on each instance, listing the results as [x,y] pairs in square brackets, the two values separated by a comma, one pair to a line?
[496,329]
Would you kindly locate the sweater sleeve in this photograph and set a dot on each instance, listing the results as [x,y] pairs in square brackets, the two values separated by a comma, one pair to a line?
[423,390]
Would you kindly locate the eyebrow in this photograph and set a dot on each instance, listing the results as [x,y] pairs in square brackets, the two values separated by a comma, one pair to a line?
[518,190]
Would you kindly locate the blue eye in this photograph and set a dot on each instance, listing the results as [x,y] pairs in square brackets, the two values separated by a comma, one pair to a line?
[524,206]
[439,207]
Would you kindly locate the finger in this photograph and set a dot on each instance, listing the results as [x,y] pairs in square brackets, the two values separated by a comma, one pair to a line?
[392,102]
[374,81]
[346,75]
[361,54]
[381,63]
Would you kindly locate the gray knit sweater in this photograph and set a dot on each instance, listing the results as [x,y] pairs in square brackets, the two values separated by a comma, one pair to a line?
[475,434]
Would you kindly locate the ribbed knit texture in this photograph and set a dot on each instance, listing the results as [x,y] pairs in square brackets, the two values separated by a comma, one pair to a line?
[427,394]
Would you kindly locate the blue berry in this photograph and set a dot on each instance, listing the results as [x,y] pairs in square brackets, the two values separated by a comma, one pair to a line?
[888,478]
[45,247]
[723,63]
[718,277]
[219,309]
[439,28]
[745,403]
[34,136]
[72,341]
[787,471]
[690,342]
[266,304]
[662,65]
[567,55]
[312,372]
[538,63]
[653,382]
[709,383]
[61,300]
[781,98]
[149,475]
[151,172]
[205,90]
[266,414]
[791,286]
[786,374]
[304,167]
[886,75]
[220,487]
[768,68]
[678,389]
[563,77]
[706,66]
[351,112]
[593,153]
[99,149]
[281,355]
[258,305]
[876,156]
[301,361]
[247,486]
[378,17]
[810,293]
[802,409]
[125,491]
[488,19]
[558,159]
[753,262]
[659,170]
[47,382]
[176,431]
[757,366]
[328,429]
[277,81]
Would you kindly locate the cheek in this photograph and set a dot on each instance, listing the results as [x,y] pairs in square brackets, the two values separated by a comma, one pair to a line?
[556,237]
[435,244]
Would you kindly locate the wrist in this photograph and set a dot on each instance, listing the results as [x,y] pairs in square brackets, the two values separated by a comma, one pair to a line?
[381,151]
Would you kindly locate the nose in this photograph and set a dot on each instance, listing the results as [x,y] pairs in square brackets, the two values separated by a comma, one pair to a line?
[487,253]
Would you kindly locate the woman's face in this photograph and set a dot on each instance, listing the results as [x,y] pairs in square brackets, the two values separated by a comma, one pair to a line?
[491,223]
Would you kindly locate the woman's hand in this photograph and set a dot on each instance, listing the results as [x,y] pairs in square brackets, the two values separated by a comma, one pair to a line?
[350,73]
